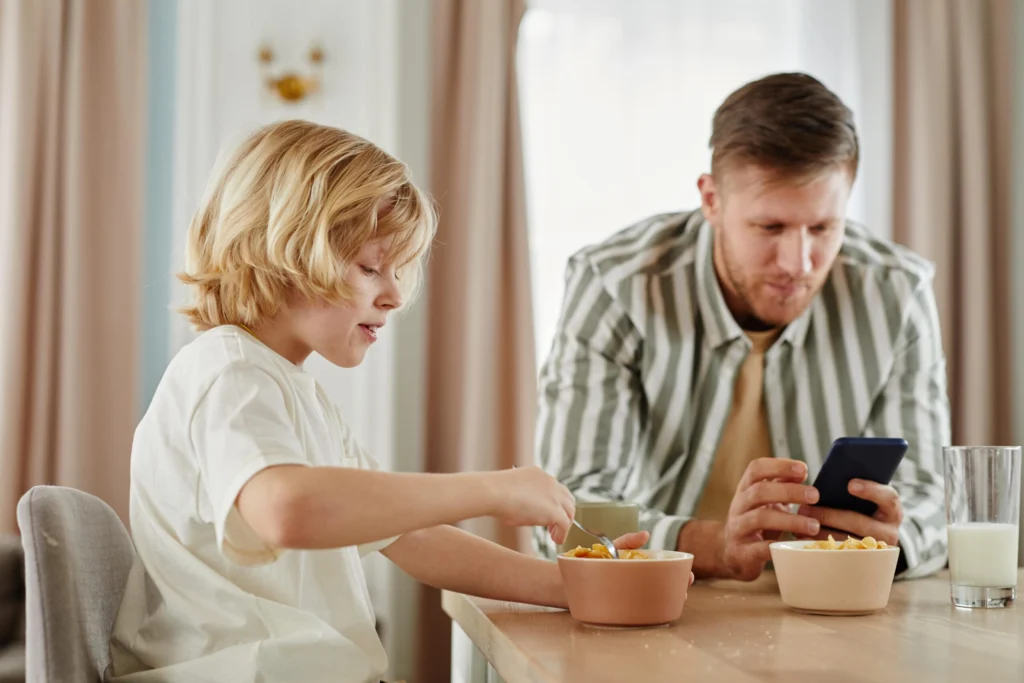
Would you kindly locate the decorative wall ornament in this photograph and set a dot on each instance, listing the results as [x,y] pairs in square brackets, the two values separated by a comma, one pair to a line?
[291,86]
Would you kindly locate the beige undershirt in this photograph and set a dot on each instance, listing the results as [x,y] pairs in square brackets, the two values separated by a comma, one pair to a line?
[745,436]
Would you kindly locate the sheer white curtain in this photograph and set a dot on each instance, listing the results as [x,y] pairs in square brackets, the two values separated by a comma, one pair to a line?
[617,101]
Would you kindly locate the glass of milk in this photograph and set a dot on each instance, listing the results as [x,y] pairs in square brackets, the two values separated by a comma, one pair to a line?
[982,519]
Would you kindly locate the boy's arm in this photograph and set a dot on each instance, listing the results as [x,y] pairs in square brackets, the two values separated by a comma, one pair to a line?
[293,506]
[265,496]
[451,559]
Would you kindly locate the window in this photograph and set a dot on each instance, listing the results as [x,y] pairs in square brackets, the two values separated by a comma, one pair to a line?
[617,100]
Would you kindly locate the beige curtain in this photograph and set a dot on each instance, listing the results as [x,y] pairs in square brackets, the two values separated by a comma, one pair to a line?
[72,108]
[481,380]
[953,132]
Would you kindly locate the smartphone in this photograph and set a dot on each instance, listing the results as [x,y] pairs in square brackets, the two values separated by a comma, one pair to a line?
[870,458]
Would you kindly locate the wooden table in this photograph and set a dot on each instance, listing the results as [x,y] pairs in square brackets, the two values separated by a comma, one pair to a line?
[742,632]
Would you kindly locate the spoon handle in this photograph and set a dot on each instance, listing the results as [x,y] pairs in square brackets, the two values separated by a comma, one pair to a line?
[604,540]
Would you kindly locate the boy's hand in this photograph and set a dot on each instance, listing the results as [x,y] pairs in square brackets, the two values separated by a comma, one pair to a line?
[635,541]
[529,496]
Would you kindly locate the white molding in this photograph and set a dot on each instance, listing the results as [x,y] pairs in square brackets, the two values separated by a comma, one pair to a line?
[1017,255]
[386,63]
[873,28]
[194,148]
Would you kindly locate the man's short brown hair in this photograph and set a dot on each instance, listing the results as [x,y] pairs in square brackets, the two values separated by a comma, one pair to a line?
[789,123]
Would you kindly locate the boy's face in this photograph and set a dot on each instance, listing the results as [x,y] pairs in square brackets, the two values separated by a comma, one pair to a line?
[342,333]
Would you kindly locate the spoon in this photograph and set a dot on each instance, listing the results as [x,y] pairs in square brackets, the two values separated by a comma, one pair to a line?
[605,541]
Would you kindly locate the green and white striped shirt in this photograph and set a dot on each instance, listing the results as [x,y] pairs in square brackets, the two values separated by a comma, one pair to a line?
[638,384]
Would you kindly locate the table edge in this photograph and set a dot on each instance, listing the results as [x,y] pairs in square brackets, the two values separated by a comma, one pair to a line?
[499,650]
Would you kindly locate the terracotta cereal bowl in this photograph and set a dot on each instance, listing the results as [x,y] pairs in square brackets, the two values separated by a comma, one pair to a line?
[833,582]
[627,593]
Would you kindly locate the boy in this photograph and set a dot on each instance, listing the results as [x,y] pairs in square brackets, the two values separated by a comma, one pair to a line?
[251,504]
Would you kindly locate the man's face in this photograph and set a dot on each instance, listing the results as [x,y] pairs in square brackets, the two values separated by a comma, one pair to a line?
[775,239]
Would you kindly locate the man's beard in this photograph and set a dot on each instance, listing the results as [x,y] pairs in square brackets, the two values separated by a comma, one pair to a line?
[751,323]
[748,319]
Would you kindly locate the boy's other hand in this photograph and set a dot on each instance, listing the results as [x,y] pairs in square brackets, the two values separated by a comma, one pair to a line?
[529,496]
[636,541]
[633,541]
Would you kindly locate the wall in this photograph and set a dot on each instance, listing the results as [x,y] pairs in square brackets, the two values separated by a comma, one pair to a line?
[156,285]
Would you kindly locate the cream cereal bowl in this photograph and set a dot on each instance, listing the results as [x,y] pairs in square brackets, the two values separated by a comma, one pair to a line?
[834,582]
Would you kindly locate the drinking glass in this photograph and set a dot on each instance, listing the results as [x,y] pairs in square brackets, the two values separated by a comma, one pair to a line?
[982,519]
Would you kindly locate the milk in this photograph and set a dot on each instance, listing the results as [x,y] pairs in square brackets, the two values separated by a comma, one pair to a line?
[983,554]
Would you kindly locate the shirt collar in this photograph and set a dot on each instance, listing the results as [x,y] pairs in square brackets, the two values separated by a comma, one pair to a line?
[796,331]
[720,326]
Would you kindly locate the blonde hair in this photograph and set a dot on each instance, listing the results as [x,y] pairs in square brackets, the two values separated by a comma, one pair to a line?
[289,211]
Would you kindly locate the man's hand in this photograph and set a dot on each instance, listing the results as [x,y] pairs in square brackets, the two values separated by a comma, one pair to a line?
[759,512]
[884,525]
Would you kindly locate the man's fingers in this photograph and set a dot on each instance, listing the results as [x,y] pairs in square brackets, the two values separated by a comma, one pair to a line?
[773,493]
[883,495]
[756,553]
[767,518]
[856,524]
[773,468]
[838,536]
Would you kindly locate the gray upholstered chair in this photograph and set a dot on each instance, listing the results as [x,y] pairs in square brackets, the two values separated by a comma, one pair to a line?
[77,559]
[12,610]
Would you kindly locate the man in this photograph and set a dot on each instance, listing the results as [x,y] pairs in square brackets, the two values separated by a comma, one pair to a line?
[704,362]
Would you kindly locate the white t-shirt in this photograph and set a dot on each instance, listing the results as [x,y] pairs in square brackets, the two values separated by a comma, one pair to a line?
[207,600]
